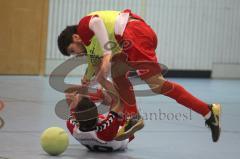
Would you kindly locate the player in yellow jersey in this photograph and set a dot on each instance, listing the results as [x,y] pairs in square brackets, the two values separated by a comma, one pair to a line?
[123,39]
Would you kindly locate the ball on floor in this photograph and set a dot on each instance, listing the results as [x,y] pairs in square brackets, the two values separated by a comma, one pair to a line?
[54,141]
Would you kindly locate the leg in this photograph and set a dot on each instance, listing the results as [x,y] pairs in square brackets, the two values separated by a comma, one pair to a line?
[125,90]
[175,91]
[123,86]
[212,113]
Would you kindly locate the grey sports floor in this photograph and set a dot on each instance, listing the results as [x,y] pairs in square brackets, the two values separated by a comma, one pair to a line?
[30,104]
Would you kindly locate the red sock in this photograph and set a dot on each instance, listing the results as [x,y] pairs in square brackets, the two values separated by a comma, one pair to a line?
[182,96]
[130,110]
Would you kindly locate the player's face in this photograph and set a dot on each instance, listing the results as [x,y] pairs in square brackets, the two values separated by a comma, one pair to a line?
[76,47]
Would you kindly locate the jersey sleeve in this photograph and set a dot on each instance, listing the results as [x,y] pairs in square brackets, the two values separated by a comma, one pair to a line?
[93,25]
[108,128]
[71,124]
[84,31]
[97,25]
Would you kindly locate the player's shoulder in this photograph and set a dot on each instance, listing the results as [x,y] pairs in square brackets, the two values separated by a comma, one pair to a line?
[84,31]
[103,12]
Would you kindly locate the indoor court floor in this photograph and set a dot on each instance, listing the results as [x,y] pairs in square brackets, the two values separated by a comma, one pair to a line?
[30,109]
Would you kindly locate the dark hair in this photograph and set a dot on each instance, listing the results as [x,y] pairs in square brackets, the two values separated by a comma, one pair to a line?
[86,114]
[65,39]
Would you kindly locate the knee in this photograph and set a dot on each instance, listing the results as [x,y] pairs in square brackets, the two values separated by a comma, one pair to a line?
[156,84]
[156,89]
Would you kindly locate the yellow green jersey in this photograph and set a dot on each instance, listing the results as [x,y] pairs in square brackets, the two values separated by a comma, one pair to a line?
[93,47]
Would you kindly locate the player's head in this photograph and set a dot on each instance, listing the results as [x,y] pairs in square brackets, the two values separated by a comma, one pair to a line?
[70,43]
[87,115]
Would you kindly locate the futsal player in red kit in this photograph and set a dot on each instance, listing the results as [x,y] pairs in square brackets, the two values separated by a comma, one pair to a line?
[120,40]
[95,131]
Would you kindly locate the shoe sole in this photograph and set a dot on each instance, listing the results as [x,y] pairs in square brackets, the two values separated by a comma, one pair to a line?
[130,132]
[218,112]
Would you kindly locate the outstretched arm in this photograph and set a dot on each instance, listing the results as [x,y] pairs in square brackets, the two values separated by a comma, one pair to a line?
[98,27]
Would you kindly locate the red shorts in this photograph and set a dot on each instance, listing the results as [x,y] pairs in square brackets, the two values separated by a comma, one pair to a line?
[143,41]
[139,42]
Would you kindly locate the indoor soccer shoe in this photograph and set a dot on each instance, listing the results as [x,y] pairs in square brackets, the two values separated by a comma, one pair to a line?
[132,125]
[214,121]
